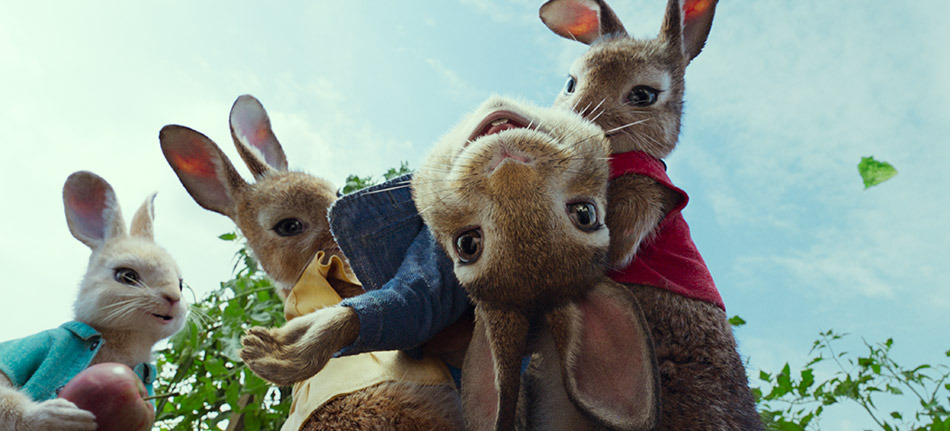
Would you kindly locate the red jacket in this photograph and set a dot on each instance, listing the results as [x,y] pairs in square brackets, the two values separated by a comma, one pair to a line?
[669,260]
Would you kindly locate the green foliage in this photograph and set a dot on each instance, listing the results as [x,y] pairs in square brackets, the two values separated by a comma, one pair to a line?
[736,321]
[354,183]
[796,400]
[201,364]
[874,172]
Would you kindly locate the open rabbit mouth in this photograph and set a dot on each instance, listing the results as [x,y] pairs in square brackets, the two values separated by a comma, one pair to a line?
[498,122]
[164,317]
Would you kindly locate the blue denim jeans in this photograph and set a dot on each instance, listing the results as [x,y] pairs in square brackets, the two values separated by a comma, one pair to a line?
[412,292]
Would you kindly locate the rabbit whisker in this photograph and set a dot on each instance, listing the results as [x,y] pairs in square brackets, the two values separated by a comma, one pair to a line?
[617,129]
[598,106]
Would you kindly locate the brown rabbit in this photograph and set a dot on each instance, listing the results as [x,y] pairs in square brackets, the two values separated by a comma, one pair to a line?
[283,215]
[634,90]
[516,196]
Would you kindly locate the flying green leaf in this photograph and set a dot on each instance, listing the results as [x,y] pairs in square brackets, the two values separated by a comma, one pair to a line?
[874,172]
[736,321]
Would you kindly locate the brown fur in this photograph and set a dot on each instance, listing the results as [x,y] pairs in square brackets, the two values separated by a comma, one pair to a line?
[703,382]
[637,205]
[538,284]
[288,352]
[704,385]
[370,410]
[301,348]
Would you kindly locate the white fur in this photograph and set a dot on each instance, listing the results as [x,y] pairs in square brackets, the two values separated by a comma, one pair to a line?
[124,314]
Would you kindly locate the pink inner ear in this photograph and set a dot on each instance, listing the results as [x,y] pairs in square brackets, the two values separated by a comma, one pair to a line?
[573,19]
[87,206]
[613,371]
[251,125]
[696,7]
[193,160]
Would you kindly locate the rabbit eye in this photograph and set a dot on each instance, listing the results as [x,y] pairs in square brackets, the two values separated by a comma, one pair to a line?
[289,227]
[181,285]
[642,95]
[127,276]
[584,216]
[570,85]
[468,245]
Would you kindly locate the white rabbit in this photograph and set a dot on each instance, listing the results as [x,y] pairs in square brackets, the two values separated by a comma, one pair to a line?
[129,299]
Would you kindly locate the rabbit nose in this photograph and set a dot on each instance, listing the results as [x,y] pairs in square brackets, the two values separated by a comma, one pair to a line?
[171,299]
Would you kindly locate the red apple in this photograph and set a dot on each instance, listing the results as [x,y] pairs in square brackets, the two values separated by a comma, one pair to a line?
[114,393]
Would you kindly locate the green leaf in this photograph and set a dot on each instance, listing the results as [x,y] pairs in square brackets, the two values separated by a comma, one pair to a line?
[808,379]
[354,183]
[736,321]
[782,425]
[228,236]
[393,172]
[874,172]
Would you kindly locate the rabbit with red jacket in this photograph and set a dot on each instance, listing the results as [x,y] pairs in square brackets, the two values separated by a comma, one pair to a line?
[634,89]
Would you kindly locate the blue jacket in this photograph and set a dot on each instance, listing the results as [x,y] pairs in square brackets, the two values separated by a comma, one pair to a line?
[412,292]
[41,364]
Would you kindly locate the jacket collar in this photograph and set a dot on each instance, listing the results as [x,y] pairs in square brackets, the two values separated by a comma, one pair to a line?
[81,330]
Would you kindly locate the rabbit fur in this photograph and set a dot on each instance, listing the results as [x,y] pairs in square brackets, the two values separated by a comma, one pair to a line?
[634,90]
[283,216]
[525,188]
[131,294]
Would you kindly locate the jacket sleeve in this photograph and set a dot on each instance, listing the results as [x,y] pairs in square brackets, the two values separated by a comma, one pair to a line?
[20,358]
[421,299]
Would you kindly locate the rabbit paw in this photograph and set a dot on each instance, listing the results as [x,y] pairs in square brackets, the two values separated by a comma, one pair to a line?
[58,415]
[297,350]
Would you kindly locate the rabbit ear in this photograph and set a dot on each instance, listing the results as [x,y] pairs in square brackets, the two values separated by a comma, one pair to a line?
[142,219]
[686,25]
[202,168]
[697,20]
[253,137]
[609,365]
[92,211]
[491,372]
[581,20]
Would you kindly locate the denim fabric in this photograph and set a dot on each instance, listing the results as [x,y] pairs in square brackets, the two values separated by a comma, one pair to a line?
[412,292]
[41,364]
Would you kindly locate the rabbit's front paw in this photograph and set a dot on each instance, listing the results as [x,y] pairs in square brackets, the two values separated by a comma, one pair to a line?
[293,352]
[58,415]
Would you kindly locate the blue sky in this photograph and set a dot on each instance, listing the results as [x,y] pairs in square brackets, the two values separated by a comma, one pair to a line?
[781,105]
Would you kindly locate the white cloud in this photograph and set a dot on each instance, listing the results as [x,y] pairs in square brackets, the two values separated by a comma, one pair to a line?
[777,120]
[503,11]
[455,85]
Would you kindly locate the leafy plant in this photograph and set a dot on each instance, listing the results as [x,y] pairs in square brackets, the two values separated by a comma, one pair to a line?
[354,182]
[796,400]
[874,172]
[201,367]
